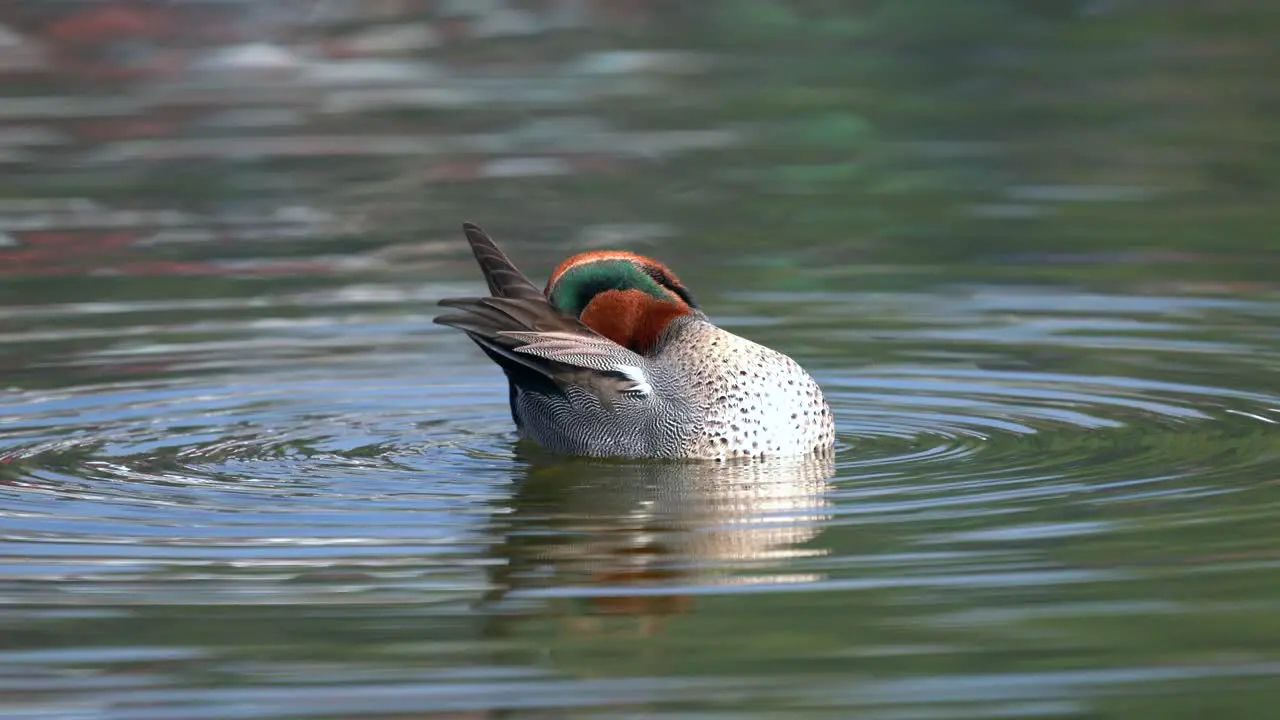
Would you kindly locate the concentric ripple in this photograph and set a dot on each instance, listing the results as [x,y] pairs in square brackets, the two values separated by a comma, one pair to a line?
[204,491]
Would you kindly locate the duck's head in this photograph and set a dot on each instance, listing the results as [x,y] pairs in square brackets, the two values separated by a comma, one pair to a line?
[628,298]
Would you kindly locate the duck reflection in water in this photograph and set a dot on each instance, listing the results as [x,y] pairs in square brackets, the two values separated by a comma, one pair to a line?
[611,547]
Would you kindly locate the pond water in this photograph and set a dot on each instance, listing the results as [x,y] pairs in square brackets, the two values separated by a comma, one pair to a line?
[242,474]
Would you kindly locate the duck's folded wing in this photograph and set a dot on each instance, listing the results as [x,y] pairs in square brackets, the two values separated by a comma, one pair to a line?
[528,335]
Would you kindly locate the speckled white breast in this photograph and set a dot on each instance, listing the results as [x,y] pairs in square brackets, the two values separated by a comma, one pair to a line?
[747,399]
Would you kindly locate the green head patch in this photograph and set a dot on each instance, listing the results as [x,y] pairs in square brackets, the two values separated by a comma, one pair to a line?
[574,289]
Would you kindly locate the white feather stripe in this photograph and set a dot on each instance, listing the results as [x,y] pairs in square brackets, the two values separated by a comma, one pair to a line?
[593,352]
[640,383]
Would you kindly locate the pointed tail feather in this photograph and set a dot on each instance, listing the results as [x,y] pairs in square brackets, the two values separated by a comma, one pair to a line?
[504,278]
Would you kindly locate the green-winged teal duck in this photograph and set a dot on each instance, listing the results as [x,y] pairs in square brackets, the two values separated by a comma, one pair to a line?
[614,359]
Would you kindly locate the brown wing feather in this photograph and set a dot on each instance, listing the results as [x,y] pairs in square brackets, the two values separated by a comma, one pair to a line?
[521,331]
[504,278]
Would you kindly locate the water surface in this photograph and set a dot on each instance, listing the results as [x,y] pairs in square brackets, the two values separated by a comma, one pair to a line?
[1041,505]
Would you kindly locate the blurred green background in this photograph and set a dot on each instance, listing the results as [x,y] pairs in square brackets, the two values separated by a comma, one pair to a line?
[1125,134]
